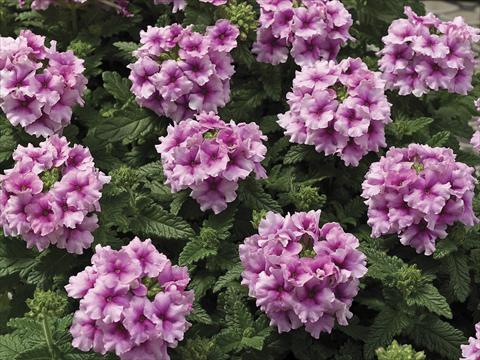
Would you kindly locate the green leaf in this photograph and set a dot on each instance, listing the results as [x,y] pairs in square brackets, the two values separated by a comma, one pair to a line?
[7,141]
[388,324]
[439,139]
[16,259]
[438,336]
[444,248]
[223,222]
[126,125]
[194,251]
[199,315]
[117,86]
[37,353]
[10,346]
[268,124]
[230,276]
[156,221]
[296,154]
[459,271]
[380,264]
[253,196]
[126,48]
[429,297]
[401,127]
[255,342]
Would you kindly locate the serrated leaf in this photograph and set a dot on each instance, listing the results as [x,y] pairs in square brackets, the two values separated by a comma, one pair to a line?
[37,353]
[459,272]
[223,222]
[156,221]
[126,49]
[254,196]
[10,346]
[429,297]
[126,125]
[230,276]
[438,336]
[7,141]
[117,86]
[401,127]
[444,248]
[380,264]
[439,139]
[296,154]
[388,324]
[199,315]
[194,251]
[254,342]
[268,124]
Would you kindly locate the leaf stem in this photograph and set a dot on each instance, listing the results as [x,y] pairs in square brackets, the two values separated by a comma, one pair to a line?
[48,337]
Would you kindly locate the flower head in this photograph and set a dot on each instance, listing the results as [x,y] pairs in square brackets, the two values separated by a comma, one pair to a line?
[417,192]
[51,195]
[301,274]
[128,303]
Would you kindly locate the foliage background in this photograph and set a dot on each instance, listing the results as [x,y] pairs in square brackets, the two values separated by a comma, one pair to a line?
[430,302]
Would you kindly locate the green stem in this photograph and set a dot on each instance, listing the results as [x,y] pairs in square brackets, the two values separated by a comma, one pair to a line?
[48,337]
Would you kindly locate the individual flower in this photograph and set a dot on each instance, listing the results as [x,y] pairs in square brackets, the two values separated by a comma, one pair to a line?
[423,53]
[417,192]
[313,29]
[340,108]
[39,85]
[301,274]
[133,302]
[51,195]
[210,156]
[475,141]
[180,72]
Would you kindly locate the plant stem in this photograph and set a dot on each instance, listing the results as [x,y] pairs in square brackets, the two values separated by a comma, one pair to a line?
[48,337]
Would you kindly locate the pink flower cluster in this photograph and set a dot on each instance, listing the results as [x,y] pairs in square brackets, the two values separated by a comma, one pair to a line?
[315,29]
[423,53]
[417,192]
[121,6]
[340,108]
[133,302]
[475,141]
[39,85]
[472,350]
[300,274]
[210,156]
[180,72]
[181,4]
[51,194]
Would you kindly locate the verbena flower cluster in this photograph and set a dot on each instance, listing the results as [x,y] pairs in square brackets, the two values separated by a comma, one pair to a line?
[133,302]
[301,274]
[340,108]
[39,85]
[417,192]
[121,6]
[471,351]
[210,156]
[51,194]
[180,72]
[475,141]
[423,53]
[314,29]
